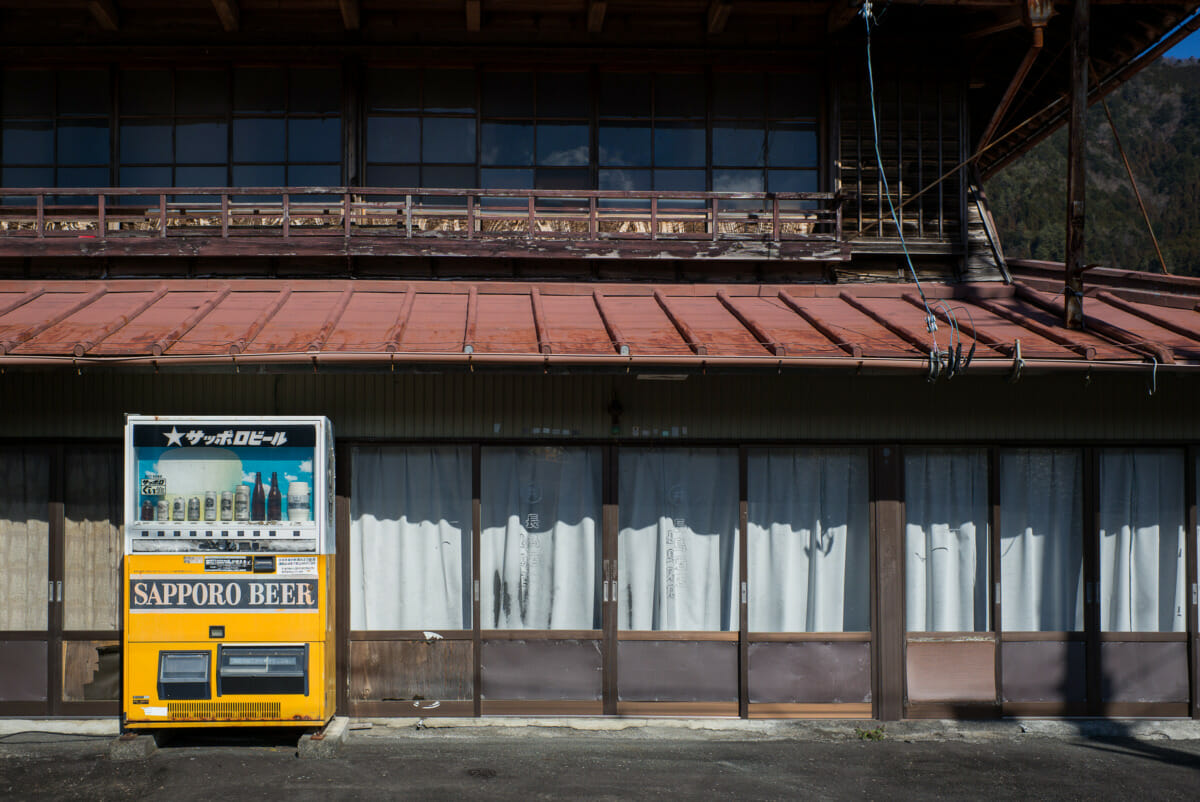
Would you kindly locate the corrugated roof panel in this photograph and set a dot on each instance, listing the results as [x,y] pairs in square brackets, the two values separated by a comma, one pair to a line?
[849,325]
[643,323]
[296,323]
[785,326]
[438,323]
[505,325]
[715,327]
[367,320]
[27,316]
[574,325]
[1104,349]
[229,321]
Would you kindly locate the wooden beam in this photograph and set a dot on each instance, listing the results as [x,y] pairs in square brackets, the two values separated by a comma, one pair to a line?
[474,13]
[105,13]
[350,14]
[718,15]
[595,15]
[229,13]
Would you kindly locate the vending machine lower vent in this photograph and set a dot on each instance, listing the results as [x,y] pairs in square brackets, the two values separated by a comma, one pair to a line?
[248,711]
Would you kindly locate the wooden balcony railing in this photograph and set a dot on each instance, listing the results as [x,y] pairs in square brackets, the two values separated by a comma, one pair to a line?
[385,221]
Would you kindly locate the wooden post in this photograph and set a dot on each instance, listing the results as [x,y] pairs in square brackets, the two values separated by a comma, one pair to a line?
[1076,165]
[888,618]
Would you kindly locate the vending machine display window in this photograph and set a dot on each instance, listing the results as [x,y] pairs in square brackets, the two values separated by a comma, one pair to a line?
[184,675]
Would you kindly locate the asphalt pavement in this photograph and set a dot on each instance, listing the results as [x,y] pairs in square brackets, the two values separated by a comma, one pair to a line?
[651,762]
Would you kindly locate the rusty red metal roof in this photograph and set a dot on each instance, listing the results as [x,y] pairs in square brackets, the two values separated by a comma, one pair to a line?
[1132,321]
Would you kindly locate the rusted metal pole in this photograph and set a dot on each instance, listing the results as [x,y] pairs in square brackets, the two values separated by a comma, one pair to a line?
[1076,165]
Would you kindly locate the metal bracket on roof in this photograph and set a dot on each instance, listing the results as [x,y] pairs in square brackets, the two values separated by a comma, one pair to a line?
[935,366]
[1018,363]
[1153,387]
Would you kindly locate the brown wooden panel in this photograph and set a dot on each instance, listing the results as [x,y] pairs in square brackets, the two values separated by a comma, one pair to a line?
[677,671]
[413,670]
[811,672]
[1144,672]
[1052,672]
[23,671]
[953,710]
[542,670]
[860,711]
[91,671]
[951,671]
[536,708]
[417,709]
[710,709]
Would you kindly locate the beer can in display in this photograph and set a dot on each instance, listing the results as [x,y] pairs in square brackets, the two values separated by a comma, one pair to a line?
[227,505]
[178,508]
[193,508]
[241,503]
[210,505]
[162,510]
[298,505]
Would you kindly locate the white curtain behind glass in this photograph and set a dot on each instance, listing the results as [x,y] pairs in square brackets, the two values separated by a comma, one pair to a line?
[1041,540]
[677,544]
[410,538]
[1141,541]
[539,548]
[946,540]
[808,541]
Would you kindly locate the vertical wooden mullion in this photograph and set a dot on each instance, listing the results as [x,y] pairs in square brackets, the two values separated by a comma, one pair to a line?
[342,576]
[742,589]
[1091,578]
[56,561]
[476,523]
[1189,473]
[887,619]
[994,566]
[608,553]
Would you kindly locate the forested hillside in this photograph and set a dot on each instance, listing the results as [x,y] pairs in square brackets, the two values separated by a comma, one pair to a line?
[1157,116]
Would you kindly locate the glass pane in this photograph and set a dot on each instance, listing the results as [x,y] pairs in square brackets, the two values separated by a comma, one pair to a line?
[625,94]
[626,145]
[738,94]
[808,543]
[146,92]
[794,95]
[91,671]
[201,142]
[946,540]
[260,89]
[738,144]
[792,180]
[83,142]
[410,538]
[1142,543]
[392,90]
[316,90]
[448,177]
[27,142]
[92,531]
[792,145]
[679,95]
[28,92]
[24,539]
[450,91]
[258,139]
[387,176]
[506,179]
[315,140]
[677,542]
[1041,540]
[563,94]
[562,179]
[680,181]
[258,175]
[314,175]
[737,181]
[393,139]
[81,177]
[83,92]
[28,177]
[507,94]
[539,554]
[200,177]
[448,139]
[201,92]
[679,145]
[562,144]
[146,142]
[506,143]
[143,177]
[625,180]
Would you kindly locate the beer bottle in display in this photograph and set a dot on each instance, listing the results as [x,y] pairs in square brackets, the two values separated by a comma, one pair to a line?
[258,501]
[274,499]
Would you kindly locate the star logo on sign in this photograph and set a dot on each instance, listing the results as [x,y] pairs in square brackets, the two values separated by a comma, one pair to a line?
[173,437]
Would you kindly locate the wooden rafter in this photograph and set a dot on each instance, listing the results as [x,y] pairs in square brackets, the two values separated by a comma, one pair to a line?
[105,13]
[595,15]
[350,14]
[229,14]
[718,15]
[474,14]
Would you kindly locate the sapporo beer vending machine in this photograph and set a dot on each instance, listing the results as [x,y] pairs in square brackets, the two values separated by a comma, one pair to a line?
[228,572]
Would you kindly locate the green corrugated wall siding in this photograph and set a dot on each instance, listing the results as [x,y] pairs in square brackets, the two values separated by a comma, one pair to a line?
[808,406]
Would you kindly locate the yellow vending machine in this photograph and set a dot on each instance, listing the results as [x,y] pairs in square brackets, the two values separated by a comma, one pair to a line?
[229,548]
